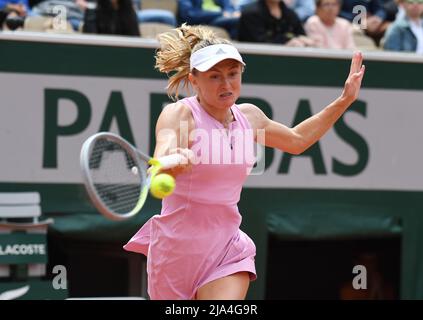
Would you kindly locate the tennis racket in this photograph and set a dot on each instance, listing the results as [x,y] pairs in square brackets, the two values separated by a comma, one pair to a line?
[116,176]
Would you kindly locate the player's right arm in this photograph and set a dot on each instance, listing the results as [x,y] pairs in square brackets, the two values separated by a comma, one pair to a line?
[172,134]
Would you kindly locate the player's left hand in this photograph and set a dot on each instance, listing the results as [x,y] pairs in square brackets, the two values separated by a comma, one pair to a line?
[353,82]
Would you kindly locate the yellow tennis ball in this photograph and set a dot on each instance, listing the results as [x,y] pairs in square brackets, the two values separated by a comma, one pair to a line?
[162,185]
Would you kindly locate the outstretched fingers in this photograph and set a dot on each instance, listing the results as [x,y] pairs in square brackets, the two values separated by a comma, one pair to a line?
[362,70]
[359,75]
[356,63]
[353,83]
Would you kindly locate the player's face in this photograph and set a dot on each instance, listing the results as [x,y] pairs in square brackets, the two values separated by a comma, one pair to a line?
[219,86]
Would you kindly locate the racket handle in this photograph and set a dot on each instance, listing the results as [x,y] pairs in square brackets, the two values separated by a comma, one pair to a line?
[172,160]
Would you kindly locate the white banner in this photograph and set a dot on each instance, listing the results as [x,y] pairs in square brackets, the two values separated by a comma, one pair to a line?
[388,125]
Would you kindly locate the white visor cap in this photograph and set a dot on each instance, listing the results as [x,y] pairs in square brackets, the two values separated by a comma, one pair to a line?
[207,57]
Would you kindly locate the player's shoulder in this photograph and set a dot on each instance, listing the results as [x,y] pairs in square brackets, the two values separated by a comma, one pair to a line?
[254,114]
[177,110]
[248,108]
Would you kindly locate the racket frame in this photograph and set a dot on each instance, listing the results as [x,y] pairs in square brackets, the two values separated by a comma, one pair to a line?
[137,156]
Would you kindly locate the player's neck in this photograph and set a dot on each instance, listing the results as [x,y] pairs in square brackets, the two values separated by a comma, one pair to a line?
[224,116]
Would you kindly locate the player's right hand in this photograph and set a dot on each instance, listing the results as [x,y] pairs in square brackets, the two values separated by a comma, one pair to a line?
[186,163]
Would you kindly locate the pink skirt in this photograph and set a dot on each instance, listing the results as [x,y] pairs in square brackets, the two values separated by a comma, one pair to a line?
[191,244]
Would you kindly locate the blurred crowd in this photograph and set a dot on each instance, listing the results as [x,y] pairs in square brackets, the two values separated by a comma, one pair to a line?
[333,24]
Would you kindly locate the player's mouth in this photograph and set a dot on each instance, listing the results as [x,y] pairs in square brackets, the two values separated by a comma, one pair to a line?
[225,95]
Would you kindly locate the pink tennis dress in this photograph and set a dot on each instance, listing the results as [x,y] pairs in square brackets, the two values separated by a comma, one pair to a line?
[196,238]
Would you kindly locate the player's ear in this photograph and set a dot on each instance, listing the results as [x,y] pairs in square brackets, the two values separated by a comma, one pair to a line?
[193,80]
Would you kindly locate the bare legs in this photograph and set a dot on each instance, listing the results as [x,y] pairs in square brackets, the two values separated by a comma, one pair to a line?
[232,287]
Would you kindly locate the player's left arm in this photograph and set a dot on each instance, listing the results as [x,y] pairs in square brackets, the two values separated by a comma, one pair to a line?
[298,139]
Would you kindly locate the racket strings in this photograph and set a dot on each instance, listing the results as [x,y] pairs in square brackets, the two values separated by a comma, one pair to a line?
[120,199]
[117,177]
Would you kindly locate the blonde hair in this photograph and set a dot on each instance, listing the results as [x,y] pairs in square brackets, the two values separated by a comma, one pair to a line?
[176,47]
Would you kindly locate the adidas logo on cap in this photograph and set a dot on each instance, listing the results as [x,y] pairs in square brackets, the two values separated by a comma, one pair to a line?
[220,51]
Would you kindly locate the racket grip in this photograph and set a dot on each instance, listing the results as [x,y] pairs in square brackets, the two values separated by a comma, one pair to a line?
[172,160]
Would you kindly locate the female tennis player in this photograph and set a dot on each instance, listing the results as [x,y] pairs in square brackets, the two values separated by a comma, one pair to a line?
[194,248]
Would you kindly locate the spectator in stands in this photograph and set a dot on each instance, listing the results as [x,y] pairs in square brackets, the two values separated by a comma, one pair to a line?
[303,8]
[3,15]
[374,24]
[74,12]
[116,17]
[242,3]
[14,12]
[219,13]
[272,21]
[401,12]
[406,33]
[391,8]
[154,15]
[19,7]
[327,29]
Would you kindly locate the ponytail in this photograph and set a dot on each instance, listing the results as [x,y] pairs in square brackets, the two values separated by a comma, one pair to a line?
[175,50]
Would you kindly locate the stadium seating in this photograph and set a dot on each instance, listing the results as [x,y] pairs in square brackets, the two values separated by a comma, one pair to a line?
[171,5]
[151,29]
